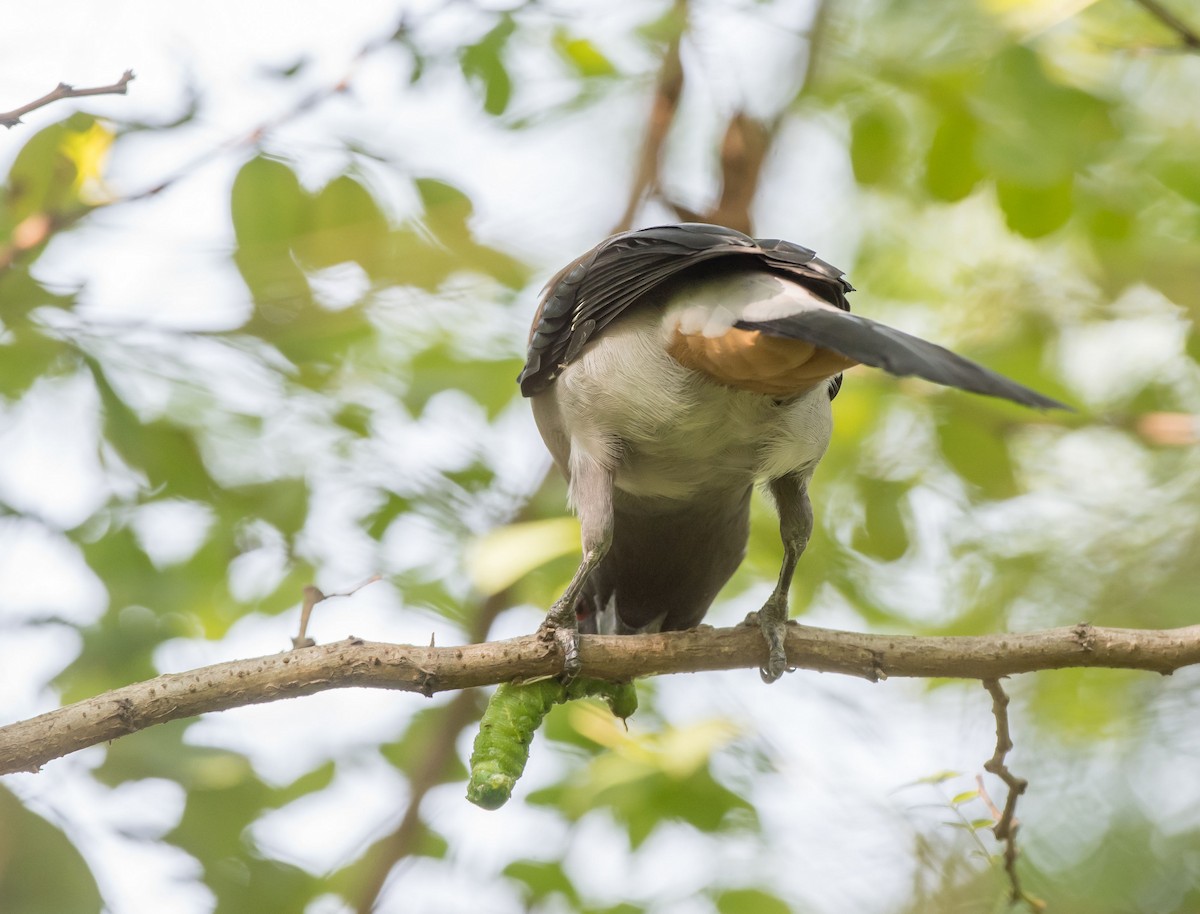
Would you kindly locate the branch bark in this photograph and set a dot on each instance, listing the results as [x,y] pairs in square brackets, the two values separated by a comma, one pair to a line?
[26,745]
[61,91]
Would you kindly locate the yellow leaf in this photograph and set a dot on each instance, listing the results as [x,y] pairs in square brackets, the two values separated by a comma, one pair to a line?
[506,555]
[88,151]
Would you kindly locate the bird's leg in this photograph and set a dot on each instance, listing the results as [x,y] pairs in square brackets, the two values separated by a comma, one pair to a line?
[591,493]
[795,525]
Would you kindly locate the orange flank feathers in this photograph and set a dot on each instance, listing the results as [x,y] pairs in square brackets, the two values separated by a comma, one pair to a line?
[748,360]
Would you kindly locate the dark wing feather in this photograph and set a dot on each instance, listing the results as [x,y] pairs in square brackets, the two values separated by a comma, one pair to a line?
[894,351]
[618,273]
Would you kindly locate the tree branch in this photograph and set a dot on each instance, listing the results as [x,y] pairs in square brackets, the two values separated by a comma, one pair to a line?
[26,745]
[1189,37]
[61,91]
[667,92]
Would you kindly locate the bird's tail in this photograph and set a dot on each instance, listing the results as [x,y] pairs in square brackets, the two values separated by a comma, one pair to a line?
[871,343]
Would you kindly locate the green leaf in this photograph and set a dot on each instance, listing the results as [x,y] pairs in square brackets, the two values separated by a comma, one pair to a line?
[884,533]
[582,55]
[283,503]
[381,518]
[951,167]
[975,446]
[343,223]
[447,208]
[491,383]
[877,144]
[53,170]
[42,870]
[354,418]
[964,797]
[1035,211]
[1177,170]
[1035,132]
[268,204]
[27,355]
[483,65]
[541,880]
[750,901]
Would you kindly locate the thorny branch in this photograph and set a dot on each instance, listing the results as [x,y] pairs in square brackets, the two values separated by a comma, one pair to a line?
[1006,825]
[26,745]
[62,90]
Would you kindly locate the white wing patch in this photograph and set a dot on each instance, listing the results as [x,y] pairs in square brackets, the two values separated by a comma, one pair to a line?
[712,305]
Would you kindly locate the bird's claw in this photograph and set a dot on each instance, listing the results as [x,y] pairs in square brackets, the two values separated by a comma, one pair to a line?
[772,621]
[561,627]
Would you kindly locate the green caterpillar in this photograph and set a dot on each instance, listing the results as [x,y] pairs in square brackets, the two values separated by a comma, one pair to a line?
[512,717]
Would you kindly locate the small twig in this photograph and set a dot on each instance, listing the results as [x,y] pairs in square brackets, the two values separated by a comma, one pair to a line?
[1006,825]
[1189,36]
[62,90]
[313,596]
[987,798]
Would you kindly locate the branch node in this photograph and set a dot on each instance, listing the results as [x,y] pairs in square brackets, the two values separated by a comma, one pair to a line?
[877,672]
[1085,635]
[426,683]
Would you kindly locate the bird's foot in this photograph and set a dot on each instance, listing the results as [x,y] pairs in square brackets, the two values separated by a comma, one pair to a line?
[561,627]
[772,621]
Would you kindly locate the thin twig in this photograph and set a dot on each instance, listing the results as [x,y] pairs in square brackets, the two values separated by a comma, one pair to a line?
[61,91]
[1189,36]
[1006,826]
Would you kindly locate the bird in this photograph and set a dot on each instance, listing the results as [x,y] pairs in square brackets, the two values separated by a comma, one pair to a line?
[671,369]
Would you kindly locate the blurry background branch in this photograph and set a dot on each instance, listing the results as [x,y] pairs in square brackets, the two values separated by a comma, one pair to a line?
[27,744]
[61,91]
[1188,36]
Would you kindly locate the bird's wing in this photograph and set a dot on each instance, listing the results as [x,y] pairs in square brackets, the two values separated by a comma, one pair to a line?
[760,314]
[615,275]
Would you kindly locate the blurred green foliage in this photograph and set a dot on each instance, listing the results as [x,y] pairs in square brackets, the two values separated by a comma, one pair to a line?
[1015,188]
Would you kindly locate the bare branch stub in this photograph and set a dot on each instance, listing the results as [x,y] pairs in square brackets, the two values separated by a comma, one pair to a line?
[313,596]
[1006,825]
[61,91]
